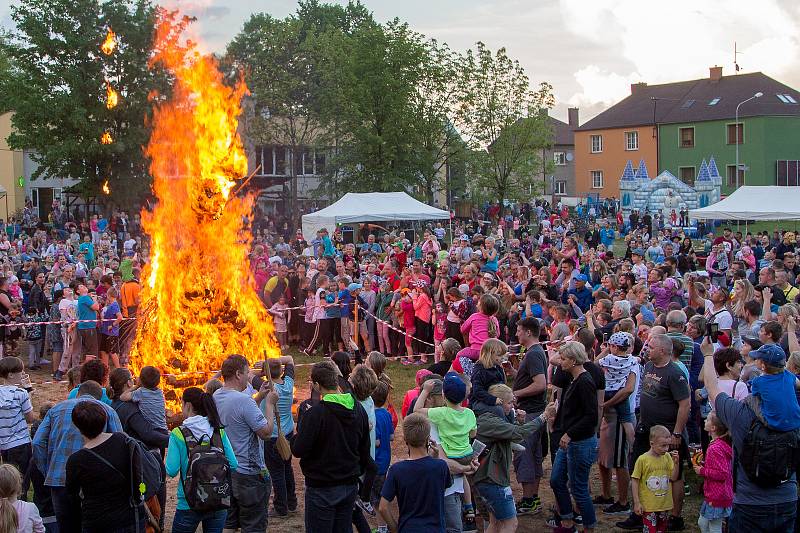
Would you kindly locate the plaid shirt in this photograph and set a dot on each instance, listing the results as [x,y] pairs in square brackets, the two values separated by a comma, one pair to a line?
[57,438]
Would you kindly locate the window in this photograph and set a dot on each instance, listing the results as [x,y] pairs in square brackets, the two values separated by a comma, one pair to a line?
[687,137]
[319,163]
[35,198]
[687,104]
[560,158]
[631,140]
[687,175]
[280,161]
[596,143]
[786,98]
[734,136]
[731,173]
[788,173]
[560,188]
[597,179]
[715,101]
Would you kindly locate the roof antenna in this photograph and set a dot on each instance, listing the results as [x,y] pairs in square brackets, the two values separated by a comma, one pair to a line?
[736,66]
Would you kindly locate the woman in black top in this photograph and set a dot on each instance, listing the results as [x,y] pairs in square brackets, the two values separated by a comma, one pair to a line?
[576,419]
[98,477]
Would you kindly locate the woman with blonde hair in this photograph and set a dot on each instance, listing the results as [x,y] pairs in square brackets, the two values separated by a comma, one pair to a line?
[16,516]
[743,291]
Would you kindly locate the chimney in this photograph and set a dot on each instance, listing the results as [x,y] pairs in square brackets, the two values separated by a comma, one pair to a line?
[573,117]
[635,87]
[715,73]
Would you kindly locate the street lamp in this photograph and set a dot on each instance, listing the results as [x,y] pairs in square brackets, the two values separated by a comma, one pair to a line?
[759,94]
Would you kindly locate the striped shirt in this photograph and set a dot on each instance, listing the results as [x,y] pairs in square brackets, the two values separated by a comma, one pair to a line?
[15,403]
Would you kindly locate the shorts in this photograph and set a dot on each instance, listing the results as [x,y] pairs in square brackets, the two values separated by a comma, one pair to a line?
[109,343]
[248,509]
[466,460]
[88,339]
[57,346]
[499,500]
[623,408]
[655,521]
[614,445]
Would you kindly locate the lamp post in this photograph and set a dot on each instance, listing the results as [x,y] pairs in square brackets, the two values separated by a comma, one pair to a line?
[736,121]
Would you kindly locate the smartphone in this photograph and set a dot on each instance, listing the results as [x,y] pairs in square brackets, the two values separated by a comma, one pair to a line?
[712,331]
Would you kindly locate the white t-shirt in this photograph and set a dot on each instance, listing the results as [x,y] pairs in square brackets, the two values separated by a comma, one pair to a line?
[722,317]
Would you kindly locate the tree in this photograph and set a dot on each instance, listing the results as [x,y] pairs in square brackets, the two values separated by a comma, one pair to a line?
[57,89]
[505,123]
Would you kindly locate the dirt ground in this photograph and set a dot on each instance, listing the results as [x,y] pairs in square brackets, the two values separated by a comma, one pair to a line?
[47,391]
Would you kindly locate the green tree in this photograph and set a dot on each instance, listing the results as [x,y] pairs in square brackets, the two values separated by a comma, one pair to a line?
[505,123]
[57,90]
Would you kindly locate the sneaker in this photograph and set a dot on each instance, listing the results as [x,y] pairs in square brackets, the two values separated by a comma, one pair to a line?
[58,375]
[531,506]
[365,506]
[275,514]
[675,523]
[44,362]
[555,520]
[405,361]
[602,500]
[617,508]
[417,363]
[632,523]
[561,529]
[468,525]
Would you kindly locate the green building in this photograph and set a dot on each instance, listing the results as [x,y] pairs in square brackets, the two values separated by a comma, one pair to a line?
[701,122]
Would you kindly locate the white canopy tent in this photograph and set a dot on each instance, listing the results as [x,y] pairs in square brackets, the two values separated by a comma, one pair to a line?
[370,207]
[754,203]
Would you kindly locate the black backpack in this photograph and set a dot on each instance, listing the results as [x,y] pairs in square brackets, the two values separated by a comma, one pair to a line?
[207,485]
[769,457]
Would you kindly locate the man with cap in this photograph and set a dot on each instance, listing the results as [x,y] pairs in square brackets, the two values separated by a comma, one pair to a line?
[579,295]
[758,508]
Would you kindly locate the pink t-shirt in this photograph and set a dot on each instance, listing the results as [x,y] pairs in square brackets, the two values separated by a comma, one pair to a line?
[477,329]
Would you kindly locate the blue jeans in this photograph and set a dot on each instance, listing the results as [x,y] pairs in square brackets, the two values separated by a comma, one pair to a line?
[282,476]
[571,474]
[186,521]
[762,518]
[330,509]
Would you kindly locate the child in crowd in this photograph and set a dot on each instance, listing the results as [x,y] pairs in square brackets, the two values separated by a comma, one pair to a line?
[409,324]
[377,362]
[677,350]
[650,480]
[280,317]
[364,381]
[486,372]
[618,365]
[439,330]
[456,314]
[109,330]
[455,423]
[480,326]
[42,498]
[149,397]
[212,386]
[384,435]
[281,374]
[717,477]
[418,483]
[34,334]
[412,394]
[16,515]
[422,319]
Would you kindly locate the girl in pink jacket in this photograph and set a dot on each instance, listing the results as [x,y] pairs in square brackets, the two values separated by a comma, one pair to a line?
[717,478]
[480,326]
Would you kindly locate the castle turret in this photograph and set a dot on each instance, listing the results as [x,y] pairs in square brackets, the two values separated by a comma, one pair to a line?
[627,187]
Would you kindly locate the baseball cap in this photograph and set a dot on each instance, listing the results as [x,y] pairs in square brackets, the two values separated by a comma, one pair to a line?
[454,388]
[638,251]
[619,339]
[772,354]
[753,342]
[464,238]
[581,277]
[354,287]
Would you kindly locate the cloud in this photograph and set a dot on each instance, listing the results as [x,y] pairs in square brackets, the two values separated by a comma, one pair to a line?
[679,40]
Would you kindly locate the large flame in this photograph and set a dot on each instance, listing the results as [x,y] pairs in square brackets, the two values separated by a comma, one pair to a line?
[199,304]
[110,43]
[112,96]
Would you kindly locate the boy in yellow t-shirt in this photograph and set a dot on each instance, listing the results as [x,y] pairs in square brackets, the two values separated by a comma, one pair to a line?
[652,473]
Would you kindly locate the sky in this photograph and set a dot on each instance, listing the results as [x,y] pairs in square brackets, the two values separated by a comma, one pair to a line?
[589,50]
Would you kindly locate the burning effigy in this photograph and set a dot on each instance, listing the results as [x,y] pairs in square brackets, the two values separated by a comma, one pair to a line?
[199,303]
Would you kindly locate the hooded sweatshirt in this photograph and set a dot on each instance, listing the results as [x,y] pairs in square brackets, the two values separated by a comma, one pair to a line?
[716,472]
[177,461]
[332,442]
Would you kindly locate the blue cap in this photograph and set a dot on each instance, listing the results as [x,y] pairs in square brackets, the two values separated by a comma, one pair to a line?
[648,314]
[581,277]
[637,251]
[454,388]
[354,287]
[771,354]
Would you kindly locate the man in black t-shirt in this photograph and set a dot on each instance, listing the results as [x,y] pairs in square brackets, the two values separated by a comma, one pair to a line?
[530,391]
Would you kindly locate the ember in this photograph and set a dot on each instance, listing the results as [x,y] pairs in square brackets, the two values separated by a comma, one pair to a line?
[106,138]
[199,304]
[110,43]
[112,96]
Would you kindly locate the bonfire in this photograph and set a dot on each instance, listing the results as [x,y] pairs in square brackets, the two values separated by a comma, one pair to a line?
[199,303]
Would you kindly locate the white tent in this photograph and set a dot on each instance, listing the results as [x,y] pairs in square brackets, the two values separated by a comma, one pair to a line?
[370,207]
[754,203]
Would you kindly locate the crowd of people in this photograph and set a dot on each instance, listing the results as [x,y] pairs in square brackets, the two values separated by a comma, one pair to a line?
[542,333]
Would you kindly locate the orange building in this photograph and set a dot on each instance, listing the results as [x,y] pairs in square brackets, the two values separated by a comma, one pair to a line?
[625,131]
